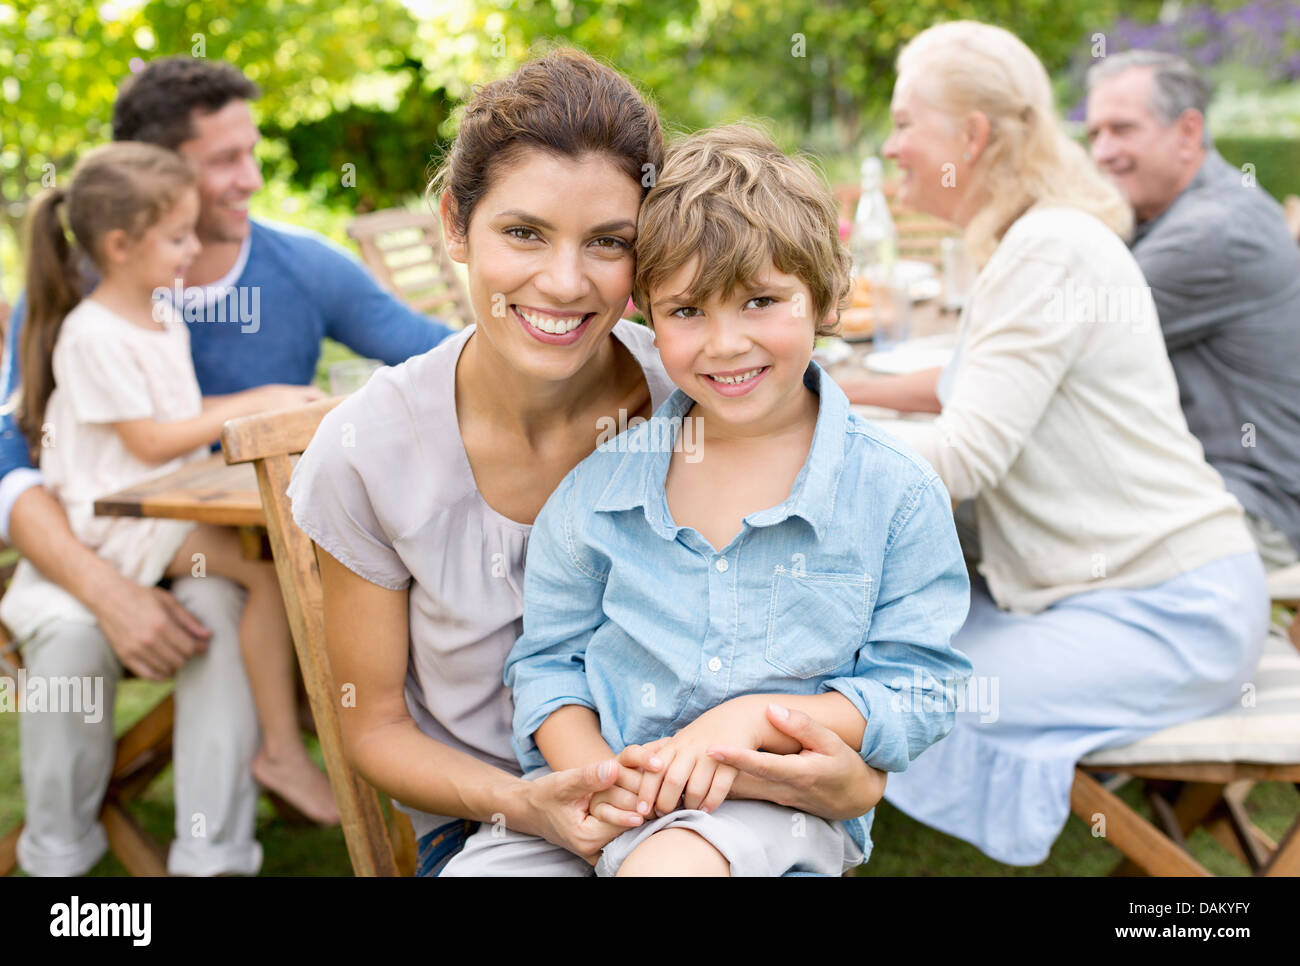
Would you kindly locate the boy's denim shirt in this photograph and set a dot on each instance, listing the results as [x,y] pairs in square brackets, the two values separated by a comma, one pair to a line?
[855,583]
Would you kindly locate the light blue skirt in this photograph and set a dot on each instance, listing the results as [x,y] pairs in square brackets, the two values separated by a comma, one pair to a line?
[1096,670]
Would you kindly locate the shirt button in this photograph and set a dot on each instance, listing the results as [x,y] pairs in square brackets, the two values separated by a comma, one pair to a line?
[715,665]
[722,565]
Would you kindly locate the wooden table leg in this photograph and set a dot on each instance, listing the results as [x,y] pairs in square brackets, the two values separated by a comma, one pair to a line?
[9,850]
[130,843]
[250,542]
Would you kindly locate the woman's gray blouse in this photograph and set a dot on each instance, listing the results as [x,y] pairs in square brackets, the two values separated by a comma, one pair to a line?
[386,488]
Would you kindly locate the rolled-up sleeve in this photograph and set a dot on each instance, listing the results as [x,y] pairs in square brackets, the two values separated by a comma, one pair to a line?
[564,586]
[906,675]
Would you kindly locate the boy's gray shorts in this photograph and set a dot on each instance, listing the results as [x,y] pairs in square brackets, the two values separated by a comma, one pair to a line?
[757,838]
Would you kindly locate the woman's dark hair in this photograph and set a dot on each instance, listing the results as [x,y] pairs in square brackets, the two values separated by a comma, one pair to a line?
[157,104]
[566,103]
[124,185]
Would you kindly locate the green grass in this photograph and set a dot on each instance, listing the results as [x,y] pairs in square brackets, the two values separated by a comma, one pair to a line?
[288,849]
[902,847]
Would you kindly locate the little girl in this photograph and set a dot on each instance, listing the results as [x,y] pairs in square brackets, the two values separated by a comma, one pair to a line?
[110,399]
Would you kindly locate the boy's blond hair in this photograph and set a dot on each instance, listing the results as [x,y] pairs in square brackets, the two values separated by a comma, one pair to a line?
[732,198]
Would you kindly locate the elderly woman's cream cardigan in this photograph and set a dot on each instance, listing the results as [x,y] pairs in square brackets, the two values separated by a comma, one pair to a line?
[1061,419]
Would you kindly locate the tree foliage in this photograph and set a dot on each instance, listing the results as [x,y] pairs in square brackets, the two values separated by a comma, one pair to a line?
[374,83]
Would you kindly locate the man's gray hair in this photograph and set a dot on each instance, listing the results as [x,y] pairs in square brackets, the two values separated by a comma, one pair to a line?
[1175,84]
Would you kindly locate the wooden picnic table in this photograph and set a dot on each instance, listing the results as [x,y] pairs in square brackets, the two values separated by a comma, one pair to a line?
[928,319]
[205,491]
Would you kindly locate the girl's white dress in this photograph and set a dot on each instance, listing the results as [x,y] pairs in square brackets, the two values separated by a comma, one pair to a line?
[107,370]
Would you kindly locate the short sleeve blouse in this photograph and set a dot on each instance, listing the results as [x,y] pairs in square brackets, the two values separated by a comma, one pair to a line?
[386,488]
[107,370]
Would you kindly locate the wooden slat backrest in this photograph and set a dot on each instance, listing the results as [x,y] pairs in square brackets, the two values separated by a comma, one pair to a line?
[267,441]
[404,251]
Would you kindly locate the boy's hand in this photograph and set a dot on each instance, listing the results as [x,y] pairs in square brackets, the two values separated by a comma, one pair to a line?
[689,774]
[560,805]
[616,805]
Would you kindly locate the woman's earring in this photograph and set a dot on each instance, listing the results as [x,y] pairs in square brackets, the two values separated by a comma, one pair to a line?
[966,156]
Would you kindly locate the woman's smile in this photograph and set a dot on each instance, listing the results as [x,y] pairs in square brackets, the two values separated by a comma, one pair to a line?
[551,327]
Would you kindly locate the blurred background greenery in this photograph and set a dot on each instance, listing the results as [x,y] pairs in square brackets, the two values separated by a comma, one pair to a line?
[376,83]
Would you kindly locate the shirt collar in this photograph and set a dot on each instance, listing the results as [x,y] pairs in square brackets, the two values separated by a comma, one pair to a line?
[639,478]
[1210,165]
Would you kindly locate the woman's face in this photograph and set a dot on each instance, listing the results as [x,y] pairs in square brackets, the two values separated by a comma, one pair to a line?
[927,146]
[549,254]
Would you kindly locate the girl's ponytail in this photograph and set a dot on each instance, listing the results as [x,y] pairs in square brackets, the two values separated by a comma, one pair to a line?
[53,290]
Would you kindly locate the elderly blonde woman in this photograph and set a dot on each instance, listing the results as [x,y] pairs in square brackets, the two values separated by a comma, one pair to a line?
[1121,590]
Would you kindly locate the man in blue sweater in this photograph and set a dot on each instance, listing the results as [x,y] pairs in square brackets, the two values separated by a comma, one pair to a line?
[261,299]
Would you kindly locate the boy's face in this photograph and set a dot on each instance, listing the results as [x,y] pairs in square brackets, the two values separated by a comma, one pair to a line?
[740,356]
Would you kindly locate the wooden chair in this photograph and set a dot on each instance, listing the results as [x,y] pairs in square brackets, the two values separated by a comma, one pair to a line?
[1198,774]
[404,251]
[376,846]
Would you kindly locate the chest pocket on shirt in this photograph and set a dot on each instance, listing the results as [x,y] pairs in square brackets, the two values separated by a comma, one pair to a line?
[815,622]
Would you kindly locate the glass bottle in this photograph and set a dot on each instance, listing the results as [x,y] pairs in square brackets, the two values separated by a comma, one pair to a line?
[873,241]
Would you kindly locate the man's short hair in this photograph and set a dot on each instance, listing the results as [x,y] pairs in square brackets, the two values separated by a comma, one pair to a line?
[732,199]
[1175,84]
[157,104]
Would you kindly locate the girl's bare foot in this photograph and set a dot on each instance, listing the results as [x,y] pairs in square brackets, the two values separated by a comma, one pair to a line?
[296,779]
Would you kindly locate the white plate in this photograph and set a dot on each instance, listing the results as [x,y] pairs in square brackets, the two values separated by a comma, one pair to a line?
[909,270]
[924,289]
[913,356]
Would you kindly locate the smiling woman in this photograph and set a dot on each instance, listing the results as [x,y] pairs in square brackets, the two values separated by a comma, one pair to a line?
[422,488]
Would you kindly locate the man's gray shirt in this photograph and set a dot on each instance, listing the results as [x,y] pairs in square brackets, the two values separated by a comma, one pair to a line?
[1225,275]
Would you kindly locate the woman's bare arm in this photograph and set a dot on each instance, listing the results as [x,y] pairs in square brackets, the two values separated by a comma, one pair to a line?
[367,636]
[915,392]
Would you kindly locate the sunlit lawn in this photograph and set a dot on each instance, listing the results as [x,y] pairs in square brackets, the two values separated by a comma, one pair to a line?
[902,846]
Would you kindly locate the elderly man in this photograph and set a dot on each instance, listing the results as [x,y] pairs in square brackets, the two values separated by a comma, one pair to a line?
[1225,274]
